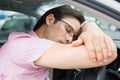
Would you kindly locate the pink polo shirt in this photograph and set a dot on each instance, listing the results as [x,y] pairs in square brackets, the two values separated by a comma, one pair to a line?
[17,56]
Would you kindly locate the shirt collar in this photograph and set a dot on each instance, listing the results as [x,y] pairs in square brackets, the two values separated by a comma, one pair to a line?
[33,33]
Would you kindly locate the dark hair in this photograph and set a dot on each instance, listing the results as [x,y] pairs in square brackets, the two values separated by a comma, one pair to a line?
[59,13]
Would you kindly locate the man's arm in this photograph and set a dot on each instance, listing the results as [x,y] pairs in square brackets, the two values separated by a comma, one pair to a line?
[64,56]
[99,45]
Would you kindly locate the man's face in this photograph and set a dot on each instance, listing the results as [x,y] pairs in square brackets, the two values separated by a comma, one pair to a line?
[63,30]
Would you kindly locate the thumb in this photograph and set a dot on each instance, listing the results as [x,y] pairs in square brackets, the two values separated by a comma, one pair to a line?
[77,42]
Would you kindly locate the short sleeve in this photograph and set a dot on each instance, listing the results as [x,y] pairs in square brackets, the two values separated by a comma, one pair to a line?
[29,49]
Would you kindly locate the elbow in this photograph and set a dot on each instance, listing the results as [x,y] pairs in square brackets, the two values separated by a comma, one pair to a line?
[36,63]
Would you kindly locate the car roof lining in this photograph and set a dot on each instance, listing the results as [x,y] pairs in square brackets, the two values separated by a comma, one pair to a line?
[24,6]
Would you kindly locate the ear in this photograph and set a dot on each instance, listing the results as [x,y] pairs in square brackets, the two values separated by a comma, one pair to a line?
[50,19]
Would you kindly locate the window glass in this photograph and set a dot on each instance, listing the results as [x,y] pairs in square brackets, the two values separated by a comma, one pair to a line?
[110,29]
[13,21]
[101,23]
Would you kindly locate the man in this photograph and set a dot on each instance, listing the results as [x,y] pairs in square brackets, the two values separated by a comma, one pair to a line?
[50,46]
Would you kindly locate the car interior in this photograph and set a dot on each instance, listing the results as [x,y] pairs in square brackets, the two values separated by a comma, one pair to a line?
[22,15]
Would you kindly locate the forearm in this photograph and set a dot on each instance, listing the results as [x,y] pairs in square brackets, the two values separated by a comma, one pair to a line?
[68,57]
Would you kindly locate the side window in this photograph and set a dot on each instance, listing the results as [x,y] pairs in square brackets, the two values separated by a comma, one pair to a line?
[102,23]
[110,29]
[13,21]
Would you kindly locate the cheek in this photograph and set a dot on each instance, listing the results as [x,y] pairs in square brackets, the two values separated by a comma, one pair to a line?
[59,32]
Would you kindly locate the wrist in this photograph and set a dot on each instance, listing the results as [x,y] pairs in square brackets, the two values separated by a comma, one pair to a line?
[84,25]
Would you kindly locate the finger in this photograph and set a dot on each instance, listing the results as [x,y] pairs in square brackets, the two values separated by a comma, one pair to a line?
[98,50]
[89,46]
[77,43]
[104,49]
[113,46]
[91,50]
[109,46]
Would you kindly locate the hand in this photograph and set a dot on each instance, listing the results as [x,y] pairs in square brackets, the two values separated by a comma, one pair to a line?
[99,45]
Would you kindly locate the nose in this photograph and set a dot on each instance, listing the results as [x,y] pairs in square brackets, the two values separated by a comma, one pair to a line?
[69,39]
